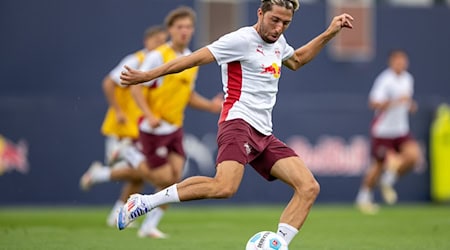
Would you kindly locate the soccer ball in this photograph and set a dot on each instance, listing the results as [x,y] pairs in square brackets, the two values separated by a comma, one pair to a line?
[266,240]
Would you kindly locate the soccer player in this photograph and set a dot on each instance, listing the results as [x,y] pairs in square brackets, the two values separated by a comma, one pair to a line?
[251,60]
[163,106]
[163,102]
[394,150]
[121,124]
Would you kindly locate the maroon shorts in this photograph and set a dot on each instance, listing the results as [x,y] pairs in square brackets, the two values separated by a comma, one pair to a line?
[156,148]
[238,141]
[380,146]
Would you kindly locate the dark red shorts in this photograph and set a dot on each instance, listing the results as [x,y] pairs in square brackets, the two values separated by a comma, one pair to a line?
[380,146]
[156,148]
[238,141]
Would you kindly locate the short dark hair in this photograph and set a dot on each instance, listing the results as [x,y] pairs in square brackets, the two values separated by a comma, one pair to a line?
[153,30]
[266,5]
[180,12]
[395,52]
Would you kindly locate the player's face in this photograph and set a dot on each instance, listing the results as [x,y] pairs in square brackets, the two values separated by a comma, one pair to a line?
[155,41]
[273,23]
[181,31]
[399,62]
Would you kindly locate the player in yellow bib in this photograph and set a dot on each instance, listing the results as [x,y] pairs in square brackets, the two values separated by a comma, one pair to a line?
[168,96]
[163,106]
[163,102]
[121,124]
[123,113]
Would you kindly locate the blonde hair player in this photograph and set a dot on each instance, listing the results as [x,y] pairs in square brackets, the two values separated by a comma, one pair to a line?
[251,59]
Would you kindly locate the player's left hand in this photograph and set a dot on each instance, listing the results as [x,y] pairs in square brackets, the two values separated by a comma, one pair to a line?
[132,76]
[413,107]
[339,22]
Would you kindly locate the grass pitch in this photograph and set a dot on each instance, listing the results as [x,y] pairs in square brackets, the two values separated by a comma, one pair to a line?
[215,228]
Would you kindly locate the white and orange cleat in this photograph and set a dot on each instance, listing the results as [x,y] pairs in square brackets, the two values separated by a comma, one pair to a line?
[133,208]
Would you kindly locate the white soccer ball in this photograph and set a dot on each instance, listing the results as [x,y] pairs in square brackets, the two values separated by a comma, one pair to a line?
[266,240]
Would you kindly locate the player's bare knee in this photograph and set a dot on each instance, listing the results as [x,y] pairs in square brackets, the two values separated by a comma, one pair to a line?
[411,158]
[310,189]
[226,192]
[174,179]
[412,161]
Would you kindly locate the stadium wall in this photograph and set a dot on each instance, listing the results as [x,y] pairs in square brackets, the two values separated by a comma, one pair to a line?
[56,53]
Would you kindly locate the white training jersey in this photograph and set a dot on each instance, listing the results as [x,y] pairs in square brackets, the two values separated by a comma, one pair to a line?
[130,60]
[394,121]
[251,69]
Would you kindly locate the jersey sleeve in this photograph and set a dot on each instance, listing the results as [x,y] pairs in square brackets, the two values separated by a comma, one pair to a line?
[379,92]
[288,50]
[229,48]
[152,60]
[130,60]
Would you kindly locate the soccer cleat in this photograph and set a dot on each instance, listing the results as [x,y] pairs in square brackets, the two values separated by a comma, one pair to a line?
[86,180]
[112,223]
[153,233]
[369,208]
[131,211]
[112,217]
[389,194]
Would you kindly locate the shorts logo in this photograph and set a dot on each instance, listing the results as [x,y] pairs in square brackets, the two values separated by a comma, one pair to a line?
[248,148]
[162,152]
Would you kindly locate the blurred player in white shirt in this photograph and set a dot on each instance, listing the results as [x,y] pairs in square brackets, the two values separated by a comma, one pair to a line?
[251,59]
[394,150]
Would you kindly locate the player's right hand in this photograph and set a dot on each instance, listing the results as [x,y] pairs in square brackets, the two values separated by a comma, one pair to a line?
[153,121]
[121,117]
[217,103]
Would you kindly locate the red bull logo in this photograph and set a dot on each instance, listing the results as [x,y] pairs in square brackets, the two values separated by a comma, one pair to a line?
[273,69]
[13,156]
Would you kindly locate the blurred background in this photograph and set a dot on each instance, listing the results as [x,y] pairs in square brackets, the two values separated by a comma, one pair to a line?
[54,55]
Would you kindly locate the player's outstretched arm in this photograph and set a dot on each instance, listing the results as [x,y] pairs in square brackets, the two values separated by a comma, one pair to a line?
[307,52]
[199,102]
[200,57]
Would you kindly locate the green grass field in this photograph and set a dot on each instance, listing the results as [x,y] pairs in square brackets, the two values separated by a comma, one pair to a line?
[403,227]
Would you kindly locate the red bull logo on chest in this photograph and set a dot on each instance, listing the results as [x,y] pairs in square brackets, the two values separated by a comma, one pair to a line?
[273,69]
